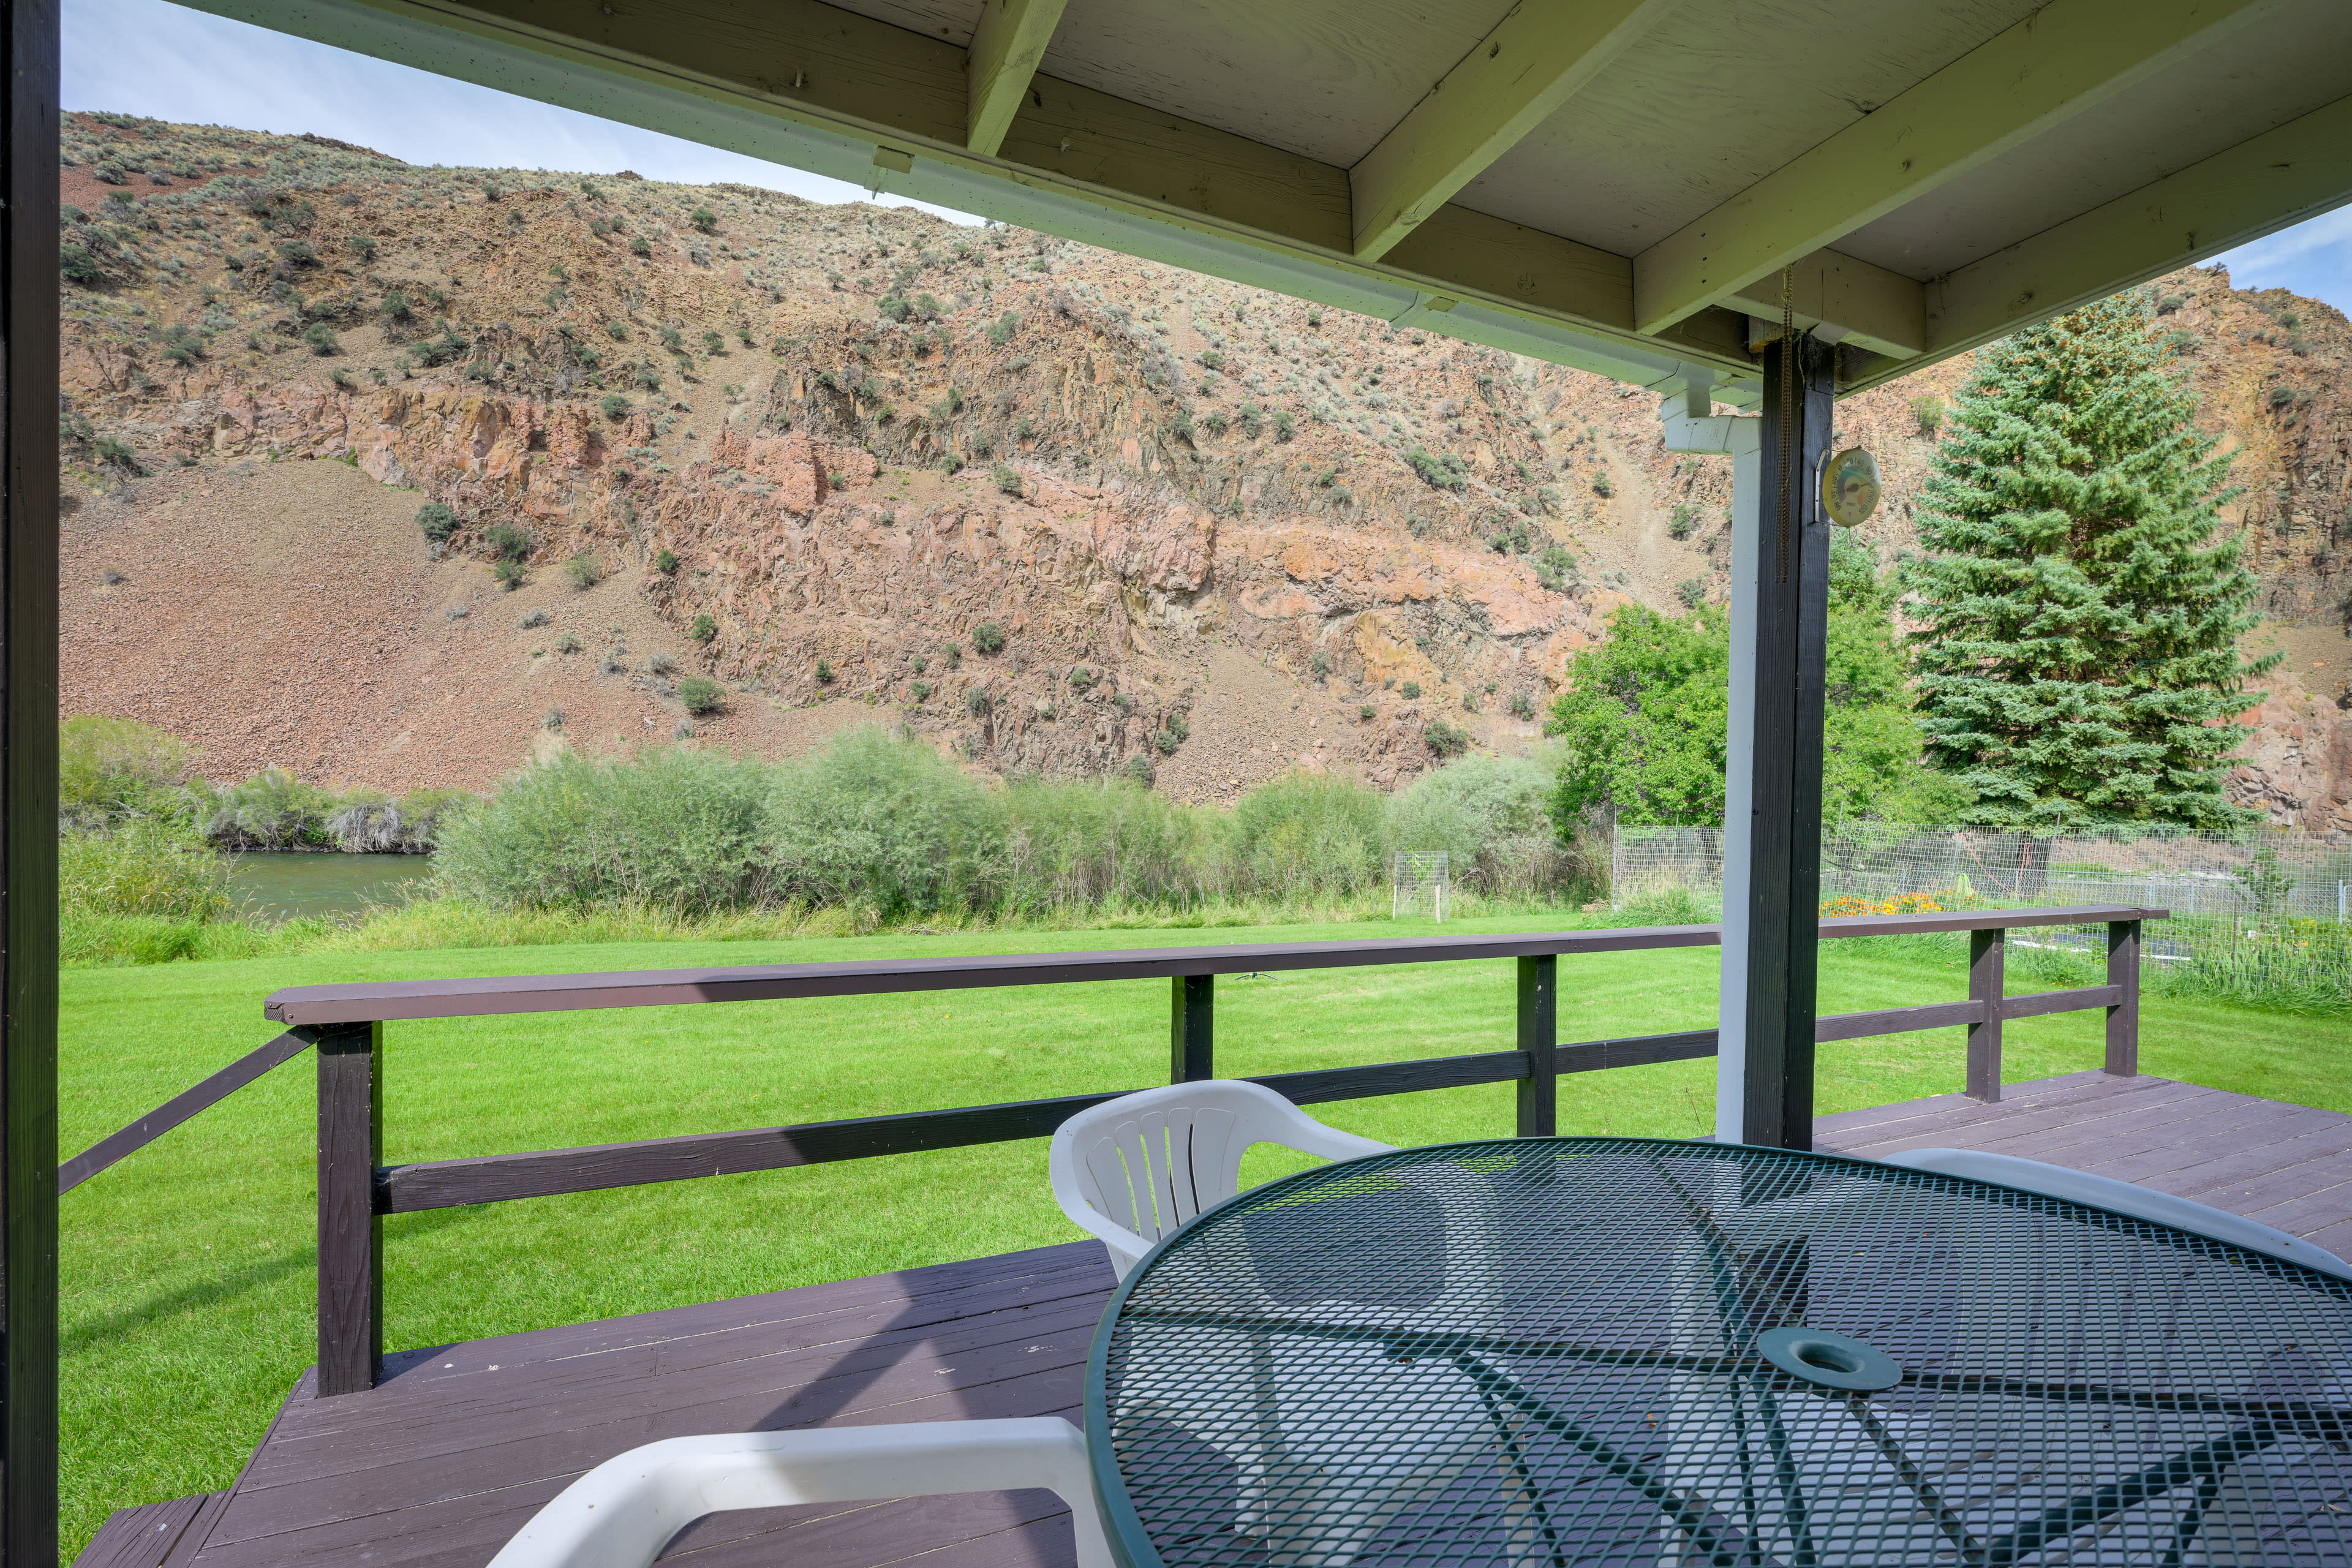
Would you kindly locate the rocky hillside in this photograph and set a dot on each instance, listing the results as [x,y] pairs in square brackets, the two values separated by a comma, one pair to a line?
[830,455]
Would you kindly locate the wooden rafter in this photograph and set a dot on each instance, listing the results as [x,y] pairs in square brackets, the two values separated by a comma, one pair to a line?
[1006,47]
[2066,58]
[1519,74]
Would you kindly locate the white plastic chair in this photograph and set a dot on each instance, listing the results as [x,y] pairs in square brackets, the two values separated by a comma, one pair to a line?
[622,1513]
[1133,1169]
[2122,1197]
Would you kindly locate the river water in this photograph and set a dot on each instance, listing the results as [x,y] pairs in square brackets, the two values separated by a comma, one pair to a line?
[287,885]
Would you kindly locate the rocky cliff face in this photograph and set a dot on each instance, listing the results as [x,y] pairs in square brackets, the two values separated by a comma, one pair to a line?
[1222,534]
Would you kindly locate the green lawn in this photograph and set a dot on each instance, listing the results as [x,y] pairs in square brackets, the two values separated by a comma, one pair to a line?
[188,1268]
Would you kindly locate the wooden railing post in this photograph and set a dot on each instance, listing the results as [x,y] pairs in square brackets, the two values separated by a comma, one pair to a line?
[1538,1097]
[1192,1027]
[1986,951]
[2123,1015]
[350,1236]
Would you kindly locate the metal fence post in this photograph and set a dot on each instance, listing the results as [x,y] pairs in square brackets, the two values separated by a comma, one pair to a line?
[1192,1027]
[351,1234]
[1986,951]
[2123,1017]
[1538,1096]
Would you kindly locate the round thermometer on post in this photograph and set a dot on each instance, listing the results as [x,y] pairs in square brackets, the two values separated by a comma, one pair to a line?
[1850,487]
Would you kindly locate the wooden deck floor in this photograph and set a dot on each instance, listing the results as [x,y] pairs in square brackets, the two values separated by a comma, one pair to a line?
[2287,1165]
[440,1464]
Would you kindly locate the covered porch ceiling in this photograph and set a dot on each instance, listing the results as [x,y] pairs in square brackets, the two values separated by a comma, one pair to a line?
[1612,184]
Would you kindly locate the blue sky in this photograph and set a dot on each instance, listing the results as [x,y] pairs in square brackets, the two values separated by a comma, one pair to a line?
[152,58]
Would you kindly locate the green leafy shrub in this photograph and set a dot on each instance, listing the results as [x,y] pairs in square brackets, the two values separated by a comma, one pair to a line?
[1692,592]
[1412,690]
[676,829]
[702,694]
[78,264]
[988,637]
[1310,833]
[1927,414]
[704,219]
[666,561]
[637,245]
[1684,521]
[616,406]
[319,337]
[436,520]
[1002,330]
[509,574]
[1251,420]
[1009,481]
[1444,740]
[889,826]
[976,703]
[1438,470]
[508,542]
[825,672]
[582,571]
[704,629]
[1603,486]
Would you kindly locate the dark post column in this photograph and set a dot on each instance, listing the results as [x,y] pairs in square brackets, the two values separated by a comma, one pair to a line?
[1191,1028]
[351,1232]
[1539,1105]
[1773,819]
[1988,952]
[28,775]
[2123,1017]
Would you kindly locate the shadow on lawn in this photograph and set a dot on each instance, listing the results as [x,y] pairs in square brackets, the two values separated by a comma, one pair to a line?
[216,1290]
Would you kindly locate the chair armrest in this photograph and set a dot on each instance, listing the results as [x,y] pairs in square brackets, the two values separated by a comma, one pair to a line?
[622,1513]
[1309,1136]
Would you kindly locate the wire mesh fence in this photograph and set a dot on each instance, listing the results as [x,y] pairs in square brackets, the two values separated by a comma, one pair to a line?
[2261,910]
[1419,884]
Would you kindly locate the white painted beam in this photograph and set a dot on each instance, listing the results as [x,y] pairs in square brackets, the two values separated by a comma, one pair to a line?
[2067,57]
[1858,303]
[2280,178]
[1534,59]
[1006,48]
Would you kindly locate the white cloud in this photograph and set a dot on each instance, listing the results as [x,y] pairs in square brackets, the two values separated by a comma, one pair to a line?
[165,61]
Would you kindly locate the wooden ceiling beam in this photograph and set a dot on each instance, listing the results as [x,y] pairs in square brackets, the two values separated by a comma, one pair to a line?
[1536,58]
[1868,306]
[1006,48]
[2069,56]
[2272,181]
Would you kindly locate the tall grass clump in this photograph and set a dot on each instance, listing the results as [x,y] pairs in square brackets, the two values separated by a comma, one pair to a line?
[675,828]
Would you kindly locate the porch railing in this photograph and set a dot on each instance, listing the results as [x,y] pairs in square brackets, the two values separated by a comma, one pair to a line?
[346,1024]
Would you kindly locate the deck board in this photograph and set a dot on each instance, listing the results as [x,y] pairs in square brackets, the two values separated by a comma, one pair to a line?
[441,1464]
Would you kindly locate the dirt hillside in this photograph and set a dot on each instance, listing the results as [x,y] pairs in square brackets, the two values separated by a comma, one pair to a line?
[825,454]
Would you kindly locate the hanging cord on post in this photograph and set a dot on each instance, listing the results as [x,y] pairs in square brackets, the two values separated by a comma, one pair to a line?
[1787,409]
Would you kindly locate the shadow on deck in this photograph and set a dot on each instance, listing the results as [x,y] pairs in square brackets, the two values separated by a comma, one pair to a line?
[438,1466]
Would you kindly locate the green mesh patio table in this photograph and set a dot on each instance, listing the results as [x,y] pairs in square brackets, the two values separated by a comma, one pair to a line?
[1632,1351]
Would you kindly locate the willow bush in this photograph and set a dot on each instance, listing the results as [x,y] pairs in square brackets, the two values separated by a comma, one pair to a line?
[888,828]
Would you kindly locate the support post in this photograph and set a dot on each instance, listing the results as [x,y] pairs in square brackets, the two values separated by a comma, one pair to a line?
[1538,1097]
[28,778]
[1772,815]
[351,1232]
[2123,1015]
[1191,1028]
[1987,952]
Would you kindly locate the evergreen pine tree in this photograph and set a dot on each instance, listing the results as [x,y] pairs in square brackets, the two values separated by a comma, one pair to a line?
[2080,658]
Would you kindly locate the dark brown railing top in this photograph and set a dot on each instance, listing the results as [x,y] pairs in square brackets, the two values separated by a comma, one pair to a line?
[472,998]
